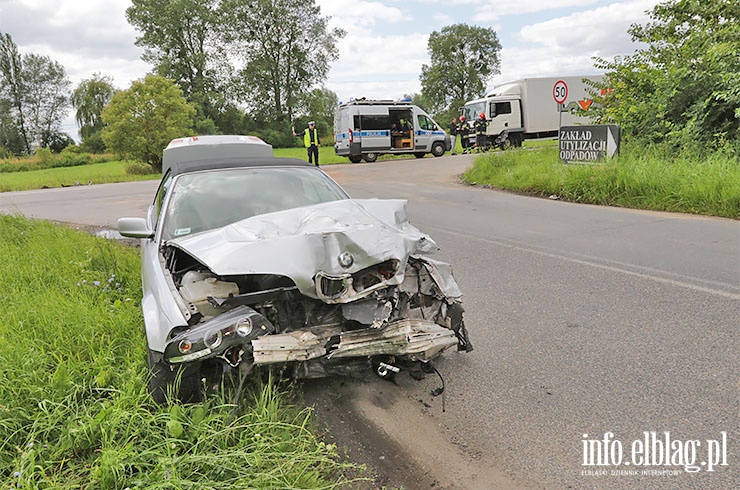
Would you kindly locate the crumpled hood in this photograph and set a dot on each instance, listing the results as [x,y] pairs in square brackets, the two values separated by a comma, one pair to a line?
[301,242]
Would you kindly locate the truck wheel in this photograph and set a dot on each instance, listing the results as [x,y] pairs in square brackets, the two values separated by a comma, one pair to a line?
[419,154]
[506,144]
[438,149]
[355,159]
[162,378]
[370,157]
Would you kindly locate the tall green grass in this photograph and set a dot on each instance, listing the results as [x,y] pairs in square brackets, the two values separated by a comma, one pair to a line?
[638,178]
[74,408]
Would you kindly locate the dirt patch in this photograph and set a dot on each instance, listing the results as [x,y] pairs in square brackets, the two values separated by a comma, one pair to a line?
[400,440]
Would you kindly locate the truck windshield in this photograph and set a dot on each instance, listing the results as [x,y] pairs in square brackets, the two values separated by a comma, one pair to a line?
[471,111]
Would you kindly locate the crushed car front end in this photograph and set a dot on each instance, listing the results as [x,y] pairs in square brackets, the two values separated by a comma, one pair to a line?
[348,287]
[250,260]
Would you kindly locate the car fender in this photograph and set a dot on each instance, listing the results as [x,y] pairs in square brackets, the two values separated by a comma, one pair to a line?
[159,305]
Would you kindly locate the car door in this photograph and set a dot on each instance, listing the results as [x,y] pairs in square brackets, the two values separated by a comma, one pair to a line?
[375,129]
[425,128]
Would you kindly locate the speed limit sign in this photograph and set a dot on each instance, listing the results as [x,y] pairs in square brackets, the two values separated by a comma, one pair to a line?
[560,91]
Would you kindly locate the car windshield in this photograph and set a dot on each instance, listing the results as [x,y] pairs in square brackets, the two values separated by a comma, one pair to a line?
[212,199]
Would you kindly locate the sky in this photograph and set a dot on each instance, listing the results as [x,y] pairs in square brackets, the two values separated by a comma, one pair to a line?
[380,57]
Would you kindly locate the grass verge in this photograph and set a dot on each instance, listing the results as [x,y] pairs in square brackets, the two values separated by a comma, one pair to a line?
[74,408]
[636,179]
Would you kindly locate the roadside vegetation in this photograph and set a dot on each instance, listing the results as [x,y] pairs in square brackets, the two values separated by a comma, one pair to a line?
[26,173]
[638,178]
[74,407]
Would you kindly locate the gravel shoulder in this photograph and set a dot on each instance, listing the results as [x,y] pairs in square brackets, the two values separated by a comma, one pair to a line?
[397,431]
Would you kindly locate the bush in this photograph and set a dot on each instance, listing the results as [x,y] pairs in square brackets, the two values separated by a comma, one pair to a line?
[44,155]
[93,144]
[278,139]
[139,168]
[71,159]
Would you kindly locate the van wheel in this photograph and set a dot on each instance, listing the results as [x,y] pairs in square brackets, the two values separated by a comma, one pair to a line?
[438,149]
[370,157]
[355,159]
[419,154]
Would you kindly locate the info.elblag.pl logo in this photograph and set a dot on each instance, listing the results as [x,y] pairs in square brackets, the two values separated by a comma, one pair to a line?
[653,450]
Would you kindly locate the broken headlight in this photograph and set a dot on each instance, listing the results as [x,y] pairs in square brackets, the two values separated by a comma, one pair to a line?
[210,338]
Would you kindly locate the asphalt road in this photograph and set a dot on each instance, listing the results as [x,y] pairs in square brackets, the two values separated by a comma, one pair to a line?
[585,320]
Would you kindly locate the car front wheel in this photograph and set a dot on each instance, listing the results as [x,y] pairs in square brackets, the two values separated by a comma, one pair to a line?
[438,149]
[370,157]
[182,382]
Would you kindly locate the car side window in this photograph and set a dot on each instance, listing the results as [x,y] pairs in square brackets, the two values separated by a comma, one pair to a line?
[425,123]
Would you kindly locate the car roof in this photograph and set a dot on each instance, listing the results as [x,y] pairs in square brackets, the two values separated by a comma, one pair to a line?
[214,152]
[229,163]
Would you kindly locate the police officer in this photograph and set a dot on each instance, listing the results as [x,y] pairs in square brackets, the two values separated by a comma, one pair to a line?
[311,142]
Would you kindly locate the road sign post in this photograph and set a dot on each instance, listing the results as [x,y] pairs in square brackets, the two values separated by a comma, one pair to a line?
[560,94]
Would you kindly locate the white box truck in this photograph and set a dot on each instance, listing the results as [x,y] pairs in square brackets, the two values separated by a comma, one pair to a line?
[365,129]
[526,109]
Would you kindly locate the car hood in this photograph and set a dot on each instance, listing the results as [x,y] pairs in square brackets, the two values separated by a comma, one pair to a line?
[301,242]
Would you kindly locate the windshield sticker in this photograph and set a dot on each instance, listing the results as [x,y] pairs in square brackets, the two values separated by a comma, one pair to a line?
[182,231]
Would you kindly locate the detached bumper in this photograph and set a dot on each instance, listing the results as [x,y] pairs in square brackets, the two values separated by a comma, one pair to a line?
[419,340]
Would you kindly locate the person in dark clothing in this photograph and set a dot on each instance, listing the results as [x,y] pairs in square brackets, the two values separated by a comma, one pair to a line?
[464,131]
[453,134]
[311,142]
[481,125]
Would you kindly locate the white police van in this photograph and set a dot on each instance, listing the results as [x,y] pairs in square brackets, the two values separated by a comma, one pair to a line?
[364,129]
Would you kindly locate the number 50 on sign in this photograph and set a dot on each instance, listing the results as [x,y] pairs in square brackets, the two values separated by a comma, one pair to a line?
[560,91]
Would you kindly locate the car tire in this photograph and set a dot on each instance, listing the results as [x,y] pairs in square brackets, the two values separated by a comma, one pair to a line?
[370,157]
[419,154]
[355,159]
[162,379]
[438,149]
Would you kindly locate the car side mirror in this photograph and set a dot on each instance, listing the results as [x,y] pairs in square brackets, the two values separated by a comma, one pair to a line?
[134,228]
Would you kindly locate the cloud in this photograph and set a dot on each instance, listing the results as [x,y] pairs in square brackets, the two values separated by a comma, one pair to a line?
[381,56]
[359,15]
[85,37]
[493,10]
[363,68]
[567,45]
[602,30]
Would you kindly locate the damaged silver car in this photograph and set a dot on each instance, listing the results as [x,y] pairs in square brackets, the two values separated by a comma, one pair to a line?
[251,260]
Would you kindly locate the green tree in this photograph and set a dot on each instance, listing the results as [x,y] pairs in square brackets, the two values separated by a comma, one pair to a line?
[142,120]
[34,91]
[89,99]
[11,93]
[11,139]
[180,38]
[45,97]
[285,46]
[320,104]
[684,87]
[463,60]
